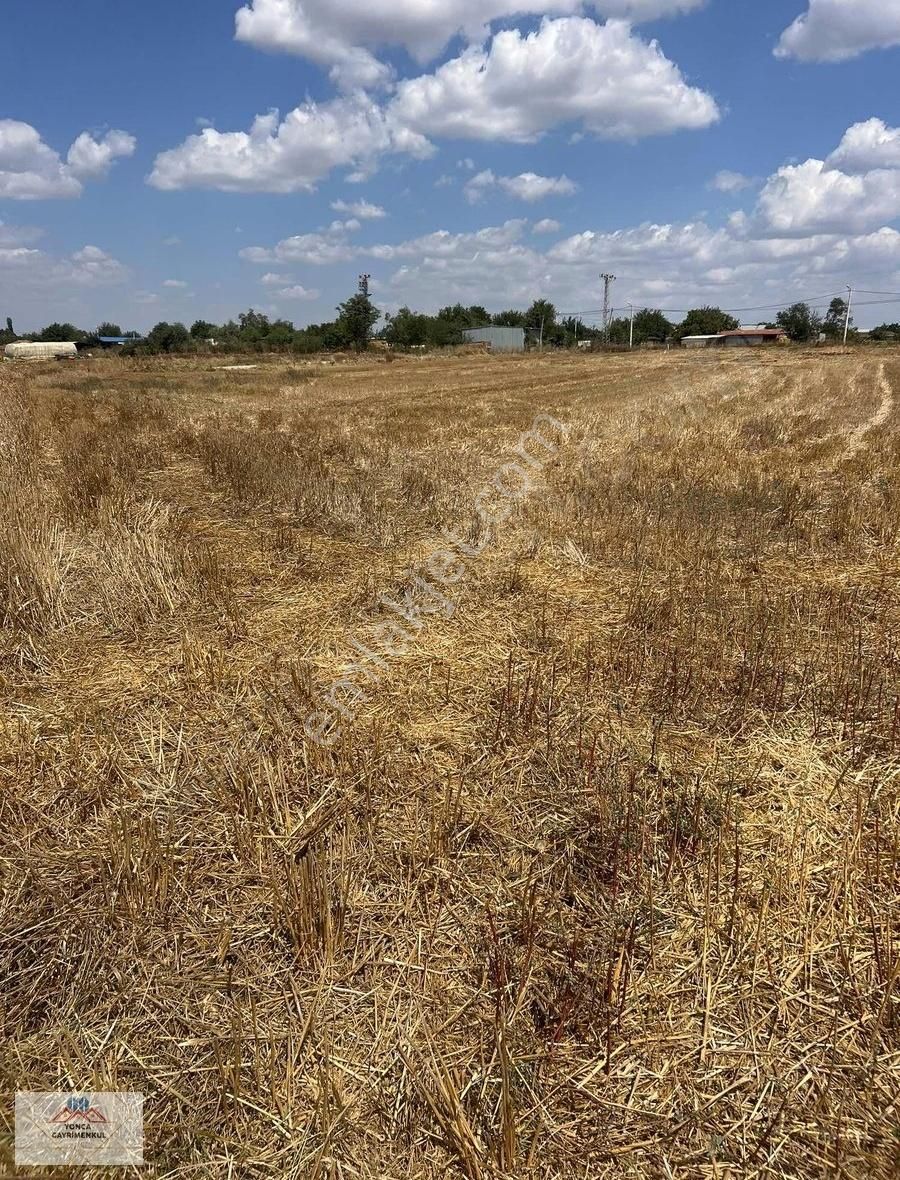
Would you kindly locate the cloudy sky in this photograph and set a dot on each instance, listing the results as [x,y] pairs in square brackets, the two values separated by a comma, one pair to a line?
[192,159]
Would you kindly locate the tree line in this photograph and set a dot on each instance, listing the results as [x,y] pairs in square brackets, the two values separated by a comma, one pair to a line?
[355,326]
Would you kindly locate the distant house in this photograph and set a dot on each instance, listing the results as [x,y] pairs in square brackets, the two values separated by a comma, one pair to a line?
[750,338]
[117,341]
[497,339]
[738,338]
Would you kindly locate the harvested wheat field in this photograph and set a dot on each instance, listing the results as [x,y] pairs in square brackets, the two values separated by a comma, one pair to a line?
[377,823]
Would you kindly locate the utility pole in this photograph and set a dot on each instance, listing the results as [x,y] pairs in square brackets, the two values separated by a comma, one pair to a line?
[541,345]
[847,317]
[608,281]
[364,285]
[631,329]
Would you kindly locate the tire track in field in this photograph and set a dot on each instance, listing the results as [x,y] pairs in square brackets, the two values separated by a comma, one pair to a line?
[859,436]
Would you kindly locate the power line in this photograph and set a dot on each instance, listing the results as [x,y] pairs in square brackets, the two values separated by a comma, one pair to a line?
[812,299]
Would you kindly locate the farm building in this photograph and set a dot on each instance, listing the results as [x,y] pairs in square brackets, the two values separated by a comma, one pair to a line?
[497,339]
[750,338]
[25,351]
[738,338]
[117,341]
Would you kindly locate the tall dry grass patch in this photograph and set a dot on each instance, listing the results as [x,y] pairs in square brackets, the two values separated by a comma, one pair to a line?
[32,562]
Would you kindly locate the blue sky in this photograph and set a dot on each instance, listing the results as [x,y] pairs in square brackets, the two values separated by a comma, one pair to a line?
[743,154]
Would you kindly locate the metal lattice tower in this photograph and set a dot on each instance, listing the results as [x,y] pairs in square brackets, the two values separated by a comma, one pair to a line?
[608,281]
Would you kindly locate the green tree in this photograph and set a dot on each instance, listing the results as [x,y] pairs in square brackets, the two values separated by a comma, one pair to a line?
[652,325]
[356,319]
[406,329]
[509,319]
[619,330]
[833,324]
[885,332]
[540,320]
[204,330]
[280,336]
[443,333]
[253,328]
[108,329]
[571,330]
[800,322]
[334,335]
[55,333]
[309,339]
[166,337]
[707,321]
[465,317]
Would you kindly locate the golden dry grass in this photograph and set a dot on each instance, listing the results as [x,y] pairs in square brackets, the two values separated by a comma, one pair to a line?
[602,881]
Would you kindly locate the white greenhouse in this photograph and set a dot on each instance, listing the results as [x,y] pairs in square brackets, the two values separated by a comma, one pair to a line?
[24,351]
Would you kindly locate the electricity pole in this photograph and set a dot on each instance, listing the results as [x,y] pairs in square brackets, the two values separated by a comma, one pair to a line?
[364,285]
[542,335]
[847,316]
[608,281]
[631,330]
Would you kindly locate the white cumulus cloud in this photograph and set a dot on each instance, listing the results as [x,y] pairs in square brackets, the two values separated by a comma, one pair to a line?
[92,266]
[297,292]
[362,210]
[603,78]
[32,281]
[730,182]
[31,170]
[855,190]
[527,186]
[289,155]
[836,30]
[321,249]
[810,196]
[90,158]
[815,226]
[867,146]
[340,35]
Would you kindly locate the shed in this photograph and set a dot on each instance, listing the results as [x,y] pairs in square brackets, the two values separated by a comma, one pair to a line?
[497,339]
[43,351]
[697,341]
[117,341]
[750,337]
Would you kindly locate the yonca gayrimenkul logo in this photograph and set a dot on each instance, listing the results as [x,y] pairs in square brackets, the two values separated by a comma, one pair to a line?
[78,1115]
[60,1128]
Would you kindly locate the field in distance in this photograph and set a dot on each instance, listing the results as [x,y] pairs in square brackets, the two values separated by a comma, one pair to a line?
[593,874]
